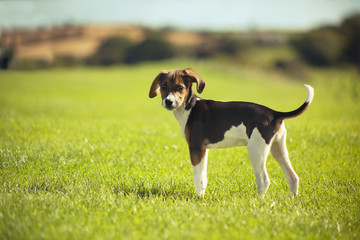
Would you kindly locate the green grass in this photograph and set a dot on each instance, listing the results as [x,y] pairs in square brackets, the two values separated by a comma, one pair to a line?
[84,154]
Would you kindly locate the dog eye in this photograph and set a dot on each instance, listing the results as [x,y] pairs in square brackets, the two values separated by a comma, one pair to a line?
[163,87]
[180,88]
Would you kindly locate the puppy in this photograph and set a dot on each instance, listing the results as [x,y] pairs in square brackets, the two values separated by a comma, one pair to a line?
[208,124]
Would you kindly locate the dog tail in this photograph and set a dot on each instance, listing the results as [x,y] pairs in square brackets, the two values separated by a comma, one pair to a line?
[301,109]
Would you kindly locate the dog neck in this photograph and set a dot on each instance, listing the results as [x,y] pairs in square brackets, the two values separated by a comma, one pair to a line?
[182,113]
[190,100]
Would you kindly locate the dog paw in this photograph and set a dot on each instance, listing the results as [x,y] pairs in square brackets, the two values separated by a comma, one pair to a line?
[200,192]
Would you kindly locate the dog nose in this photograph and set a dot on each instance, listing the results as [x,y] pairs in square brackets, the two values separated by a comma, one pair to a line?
[168,102]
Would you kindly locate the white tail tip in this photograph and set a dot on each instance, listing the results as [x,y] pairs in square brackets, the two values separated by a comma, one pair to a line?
[310,95]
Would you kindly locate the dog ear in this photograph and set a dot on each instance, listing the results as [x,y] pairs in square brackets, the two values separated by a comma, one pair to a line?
[155,86]
[194,77]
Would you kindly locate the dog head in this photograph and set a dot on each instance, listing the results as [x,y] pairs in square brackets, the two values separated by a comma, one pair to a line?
[175,87]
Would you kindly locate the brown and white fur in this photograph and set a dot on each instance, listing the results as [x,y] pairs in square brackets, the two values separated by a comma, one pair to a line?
[208,124]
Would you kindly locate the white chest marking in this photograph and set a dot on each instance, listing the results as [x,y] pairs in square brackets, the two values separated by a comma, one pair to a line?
[182,116]
[234,137]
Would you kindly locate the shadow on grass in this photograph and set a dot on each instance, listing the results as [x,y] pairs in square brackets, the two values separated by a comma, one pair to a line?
[144,190]
[139,188]
[177,191]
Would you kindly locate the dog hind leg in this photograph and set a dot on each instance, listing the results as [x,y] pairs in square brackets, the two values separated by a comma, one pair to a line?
[280,153]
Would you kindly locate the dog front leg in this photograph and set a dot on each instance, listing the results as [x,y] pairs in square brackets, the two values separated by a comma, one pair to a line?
[199,164]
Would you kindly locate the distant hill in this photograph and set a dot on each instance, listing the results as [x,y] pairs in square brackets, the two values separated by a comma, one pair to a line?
[79,41]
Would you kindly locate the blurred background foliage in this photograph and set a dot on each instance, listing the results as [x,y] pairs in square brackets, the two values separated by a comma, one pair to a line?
[287,52]
[331,45]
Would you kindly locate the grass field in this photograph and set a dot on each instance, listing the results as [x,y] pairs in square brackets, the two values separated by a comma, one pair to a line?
[85,154]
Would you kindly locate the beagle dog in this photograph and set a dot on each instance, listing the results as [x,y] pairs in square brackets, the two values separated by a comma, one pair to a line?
[208,124]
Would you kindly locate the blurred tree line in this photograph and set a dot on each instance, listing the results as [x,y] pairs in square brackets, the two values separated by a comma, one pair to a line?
[331,45]
[325,46]
[115,50]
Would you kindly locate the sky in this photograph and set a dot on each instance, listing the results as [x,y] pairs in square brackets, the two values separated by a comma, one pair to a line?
[184,14]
